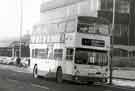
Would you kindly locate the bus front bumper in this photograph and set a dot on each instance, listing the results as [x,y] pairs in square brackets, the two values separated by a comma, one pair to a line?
[87,79]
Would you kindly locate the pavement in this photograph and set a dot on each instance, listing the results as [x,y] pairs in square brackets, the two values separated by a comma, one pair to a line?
[16,68]
[124,83]
[21,79]
[124,74]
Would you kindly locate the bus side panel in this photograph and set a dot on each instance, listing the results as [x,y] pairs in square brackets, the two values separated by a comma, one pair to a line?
[68,67]
[32,63]
[53,65]
[67,70]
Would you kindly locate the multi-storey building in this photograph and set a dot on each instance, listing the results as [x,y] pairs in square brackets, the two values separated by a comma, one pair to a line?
[124,31]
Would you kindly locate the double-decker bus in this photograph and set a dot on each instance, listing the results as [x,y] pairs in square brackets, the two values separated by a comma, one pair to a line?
[80,52]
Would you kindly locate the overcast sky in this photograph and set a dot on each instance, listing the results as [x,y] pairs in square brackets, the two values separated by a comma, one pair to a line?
[10,16]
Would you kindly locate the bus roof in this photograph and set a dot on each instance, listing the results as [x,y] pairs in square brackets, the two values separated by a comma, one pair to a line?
[57,4]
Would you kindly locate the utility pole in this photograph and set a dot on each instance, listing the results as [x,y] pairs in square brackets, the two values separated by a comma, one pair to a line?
[112,29]
[21,25]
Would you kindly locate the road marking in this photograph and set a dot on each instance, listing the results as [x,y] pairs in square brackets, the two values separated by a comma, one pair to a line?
[20,71]
[39,86]
[12,80]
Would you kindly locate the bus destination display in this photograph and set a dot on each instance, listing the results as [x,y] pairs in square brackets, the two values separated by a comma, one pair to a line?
[93,42]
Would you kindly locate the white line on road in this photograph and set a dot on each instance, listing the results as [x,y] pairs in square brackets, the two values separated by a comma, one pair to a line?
[12,80]
[39,86]
[19,71]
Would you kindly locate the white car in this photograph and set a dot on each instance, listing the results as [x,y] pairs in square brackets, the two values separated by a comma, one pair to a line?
[25,62]
[12,60]
[8,60]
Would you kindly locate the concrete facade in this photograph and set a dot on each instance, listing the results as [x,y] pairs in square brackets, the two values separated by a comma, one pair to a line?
[124,32]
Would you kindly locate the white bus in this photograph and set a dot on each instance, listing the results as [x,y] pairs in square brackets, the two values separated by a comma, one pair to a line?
[80,55]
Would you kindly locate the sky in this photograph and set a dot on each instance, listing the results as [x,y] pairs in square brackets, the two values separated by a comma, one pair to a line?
[10,17]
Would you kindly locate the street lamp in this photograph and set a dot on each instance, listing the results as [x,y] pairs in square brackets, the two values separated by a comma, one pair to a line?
[21,24]
[112,29]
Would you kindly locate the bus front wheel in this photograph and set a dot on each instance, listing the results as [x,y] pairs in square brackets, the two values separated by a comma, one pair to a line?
[59,75]
[35,72]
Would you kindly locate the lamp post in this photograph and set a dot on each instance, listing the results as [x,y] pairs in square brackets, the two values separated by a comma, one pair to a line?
[21,25]
[112,29]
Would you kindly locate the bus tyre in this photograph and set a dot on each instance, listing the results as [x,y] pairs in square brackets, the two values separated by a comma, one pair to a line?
[35,72]
[59,75]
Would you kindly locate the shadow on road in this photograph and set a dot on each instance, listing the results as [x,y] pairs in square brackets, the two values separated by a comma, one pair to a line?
[67,82]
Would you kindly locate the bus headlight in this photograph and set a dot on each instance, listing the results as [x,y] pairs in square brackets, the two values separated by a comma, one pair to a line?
[104,74]
[77,72]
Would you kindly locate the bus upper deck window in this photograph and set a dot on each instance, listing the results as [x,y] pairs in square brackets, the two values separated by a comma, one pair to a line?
[70,26]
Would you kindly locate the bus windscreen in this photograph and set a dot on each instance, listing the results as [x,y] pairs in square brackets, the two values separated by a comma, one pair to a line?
[91,57]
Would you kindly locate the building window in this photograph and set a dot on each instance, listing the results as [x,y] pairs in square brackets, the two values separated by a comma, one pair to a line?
[117,30]
[122,6]
[121,30]
[124,29]
[106,5]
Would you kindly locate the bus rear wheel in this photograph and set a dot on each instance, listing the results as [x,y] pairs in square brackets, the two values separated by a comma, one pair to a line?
[35,72]
[59,75]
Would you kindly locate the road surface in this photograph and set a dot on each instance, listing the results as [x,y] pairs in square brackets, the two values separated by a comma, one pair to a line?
[11,80]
